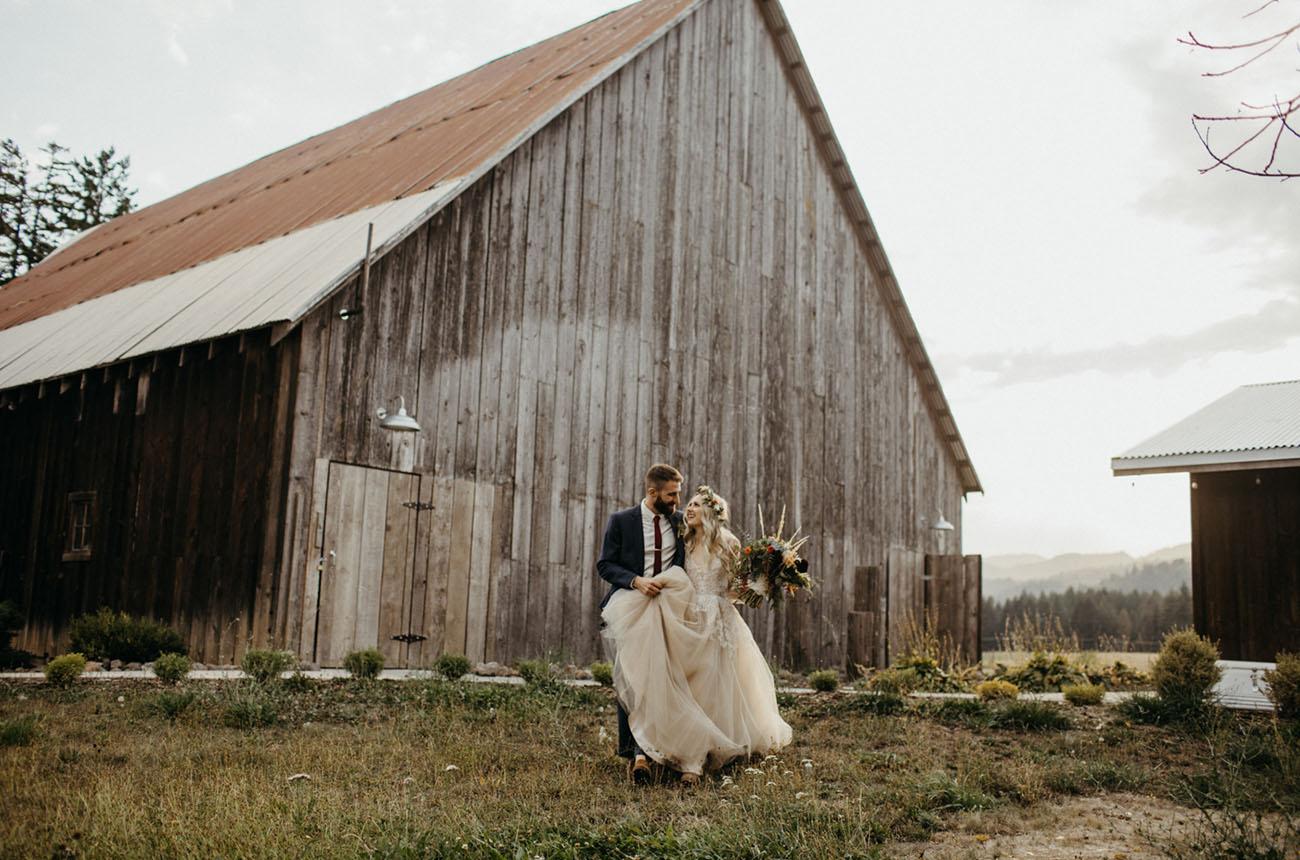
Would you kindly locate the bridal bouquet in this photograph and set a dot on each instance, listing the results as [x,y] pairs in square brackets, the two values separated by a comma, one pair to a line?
[770,567]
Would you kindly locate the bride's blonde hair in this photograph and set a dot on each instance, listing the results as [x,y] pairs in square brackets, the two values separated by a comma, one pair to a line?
[712,531]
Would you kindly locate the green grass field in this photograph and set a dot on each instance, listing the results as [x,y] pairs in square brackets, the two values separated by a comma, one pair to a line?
[434,769]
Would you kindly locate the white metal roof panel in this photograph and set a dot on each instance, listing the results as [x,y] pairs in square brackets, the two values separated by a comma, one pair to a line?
[276,281]
[1254,423]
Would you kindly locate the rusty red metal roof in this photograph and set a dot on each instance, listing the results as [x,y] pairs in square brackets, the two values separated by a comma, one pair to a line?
[404,149]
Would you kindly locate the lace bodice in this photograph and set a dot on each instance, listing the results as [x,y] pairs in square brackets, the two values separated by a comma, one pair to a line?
[708,573]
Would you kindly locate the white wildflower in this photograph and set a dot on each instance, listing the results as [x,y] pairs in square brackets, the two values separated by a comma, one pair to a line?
[787,773]
[799,795]
[451,767]
[752,770]
[753,797]
[121,698]
[769,782]
[298,776]
[758,585]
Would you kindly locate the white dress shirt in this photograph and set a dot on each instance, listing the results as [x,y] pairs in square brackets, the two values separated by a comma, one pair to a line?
[667,540]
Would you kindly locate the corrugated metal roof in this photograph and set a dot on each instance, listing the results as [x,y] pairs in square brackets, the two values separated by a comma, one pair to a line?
[280,279]
[398,151]
[1254,423]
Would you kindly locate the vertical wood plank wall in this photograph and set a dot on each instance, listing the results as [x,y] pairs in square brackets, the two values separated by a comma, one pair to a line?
[180,452]
[1246,561]
[664,272]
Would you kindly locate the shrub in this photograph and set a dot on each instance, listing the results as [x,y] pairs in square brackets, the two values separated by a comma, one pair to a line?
[249,707]
[928,676]
[537,673]
[62,671]
[1284,685]
[170,704]
[603,673]
[171,668]
[108,635]
[366,663]
[991,691]
[1121,676]
[452,666]
[18,732]
[1043,673]
[1084,694]
[1152,710]
[824,680]
[264,666]
[894,682]
[1029,716]
[1185,670]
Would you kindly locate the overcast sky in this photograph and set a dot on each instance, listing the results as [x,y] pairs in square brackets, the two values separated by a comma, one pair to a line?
[1031,168]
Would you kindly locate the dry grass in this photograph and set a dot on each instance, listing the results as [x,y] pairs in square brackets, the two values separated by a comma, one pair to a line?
[533,775]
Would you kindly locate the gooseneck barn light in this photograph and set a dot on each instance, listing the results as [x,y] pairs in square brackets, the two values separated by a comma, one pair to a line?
[942,525]
[398,420]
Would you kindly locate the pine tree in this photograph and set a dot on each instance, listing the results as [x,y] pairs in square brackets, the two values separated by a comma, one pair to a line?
[42,209]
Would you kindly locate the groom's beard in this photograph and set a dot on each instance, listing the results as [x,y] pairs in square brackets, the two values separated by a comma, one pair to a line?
[664,507]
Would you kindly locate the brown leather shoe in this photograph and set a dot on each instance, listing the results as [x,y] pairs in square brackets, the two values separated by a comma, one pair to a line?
[640,771]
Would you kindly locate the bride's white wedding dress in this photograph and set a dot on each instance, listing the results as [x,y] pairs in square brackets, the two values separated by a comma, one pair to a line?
[696,688]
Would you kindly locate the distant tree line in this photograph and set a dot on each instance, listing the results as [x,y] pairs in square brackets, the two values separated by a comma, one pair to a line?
[45,202]
[1100,618]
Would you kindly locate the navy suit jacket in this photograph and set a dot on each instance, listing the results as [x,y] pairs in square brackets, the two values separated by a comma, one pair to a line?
[622,554]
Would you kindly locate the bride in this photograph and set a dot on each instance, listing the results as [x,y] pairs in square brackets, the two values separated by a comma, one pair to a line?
[695,686]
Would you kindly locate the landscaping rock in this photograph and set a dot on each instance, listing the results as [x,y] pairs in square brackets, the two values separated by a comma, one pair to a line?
[309,667]
[133,667]
[582,674]
[194,666]
[115,665]
[94,666]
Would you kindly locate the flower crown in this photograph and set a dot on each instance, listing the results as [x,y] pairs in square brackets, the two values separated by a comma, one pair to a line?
[713,502]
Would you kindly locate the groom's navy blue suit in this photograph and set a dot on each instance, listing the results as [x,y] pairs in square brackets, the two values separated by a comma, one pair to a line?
[622,559]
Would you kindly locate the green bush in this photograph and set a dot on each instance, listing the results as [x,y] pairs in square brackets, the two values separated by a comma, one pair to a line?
[170,704]
[927,676]
[365,664]
[249,707]
[453,667]
[537,673]
[603,673]
[944,793]
[968,712]
[824,680]
[1146,709]
[1284,685]
[1028,716]
[265,666]
[1084,694]
[171,668]
[1043,673]
[108,635]
[63,671]
[991,691]
[1185,670]
[18,732]
[1120,676]
[893,682]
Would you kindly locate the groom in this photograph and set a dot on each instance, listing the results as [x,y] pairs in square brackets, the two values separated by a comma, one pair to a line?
[640,543]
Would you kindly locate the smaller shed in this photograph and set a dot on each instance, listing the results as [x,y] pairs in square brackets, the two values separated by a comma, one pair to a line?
[1242,453]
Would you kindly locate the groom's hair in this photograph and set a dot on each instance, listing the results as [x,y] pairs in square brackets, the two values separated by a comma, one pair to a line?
[661,473]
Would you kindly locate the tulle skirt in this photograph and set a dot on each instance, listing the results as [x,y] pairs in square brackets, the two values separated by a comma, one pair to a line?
[693,681]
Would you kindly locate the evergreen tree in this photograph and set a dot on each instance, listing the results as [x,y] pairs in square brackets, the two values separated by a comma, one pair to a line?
[42,208]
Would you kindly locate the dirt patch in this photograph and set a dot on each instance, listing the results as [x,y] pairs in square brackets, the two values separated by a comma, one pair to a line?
[1112,826]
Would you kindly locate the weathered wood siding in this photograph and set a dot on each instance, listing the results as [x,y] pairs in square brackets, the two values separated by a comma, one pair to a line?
[1246,561]
[664,272]
[178,451]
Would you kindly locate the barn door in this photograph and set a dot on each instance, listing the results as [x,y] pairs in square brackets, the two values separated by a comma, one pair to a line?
[367,563]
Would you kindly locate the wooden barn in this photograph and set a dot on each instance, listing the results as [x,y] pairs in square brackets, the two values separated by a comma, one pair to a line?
[1242,453]
[638,240]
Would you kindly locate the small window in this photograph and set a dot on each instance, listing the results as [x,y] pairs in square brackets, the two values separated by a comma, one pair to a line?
[81,526]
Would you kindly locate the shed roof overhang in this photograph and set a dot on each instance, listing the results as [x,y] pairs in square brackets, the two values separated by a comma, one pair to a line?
[1222,461]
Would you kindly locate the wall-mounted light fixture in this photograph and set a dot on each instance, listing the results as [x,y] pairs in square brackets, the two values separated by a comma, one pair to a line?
[349,313]
[398,420]
[942,525]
